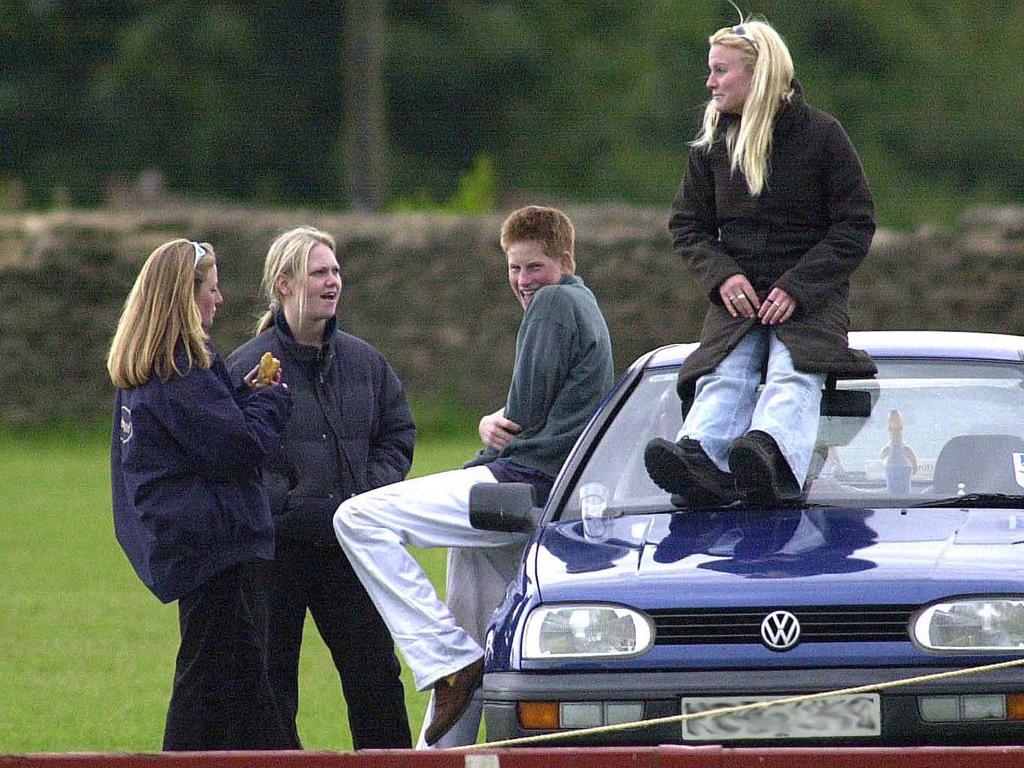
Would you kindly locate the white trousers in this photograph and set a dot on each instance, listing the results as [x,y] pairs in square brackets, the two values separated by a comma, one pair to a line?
[436,640]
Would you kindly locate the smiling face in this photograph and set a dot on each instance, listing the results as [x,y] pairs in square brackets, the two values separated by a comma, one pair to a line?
[728,79]
[530,269]
[208,297]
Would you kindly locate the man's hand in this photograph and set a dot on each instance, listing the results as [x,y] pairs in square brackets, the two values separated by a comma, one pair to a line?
[496,431]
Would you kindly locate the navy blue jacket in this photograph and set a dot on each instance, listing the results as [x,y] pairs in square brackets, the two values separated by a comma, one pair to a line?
[185,460]
[350,430]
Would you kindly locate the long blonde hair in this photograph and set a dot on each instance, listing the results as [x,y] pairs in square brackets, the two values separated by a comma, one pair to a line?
[749,140]
[288,256]
[159,312]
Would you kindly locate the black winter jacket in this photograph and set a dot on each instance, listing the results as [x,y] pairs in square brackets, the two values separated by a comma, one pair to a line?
[806,232]
[350,430]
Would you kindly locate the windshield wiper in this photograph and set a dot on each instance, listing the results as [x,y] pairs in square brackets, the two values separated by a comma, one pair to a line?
[678,504]
[995,500]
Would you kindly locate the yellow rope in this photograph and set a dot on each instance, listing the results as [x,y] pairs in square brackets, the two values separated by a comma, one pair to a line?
[544,737]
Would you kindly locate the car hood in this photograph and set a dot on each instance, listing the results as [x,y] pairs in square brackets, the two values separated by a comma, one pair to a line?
[755,556]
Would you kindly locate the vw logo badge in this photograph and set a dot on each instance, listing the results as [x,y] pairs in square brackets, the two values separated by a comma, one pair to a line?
[780,630]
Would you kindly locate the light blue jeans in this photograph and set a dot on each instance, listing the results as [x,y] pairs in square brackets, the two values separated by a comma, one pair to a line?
[726,403]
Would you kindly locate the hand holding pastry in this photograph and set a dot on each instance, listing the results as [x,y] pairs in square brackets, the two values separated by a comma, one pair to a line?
[267,372]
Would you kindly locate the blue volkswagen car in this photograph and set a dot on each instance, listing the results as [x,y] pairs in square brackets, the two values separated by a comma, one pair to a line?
[905,558]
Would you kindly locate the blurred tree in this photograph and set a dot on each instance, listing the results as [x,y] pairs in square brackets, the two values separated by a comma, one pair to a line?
[359,103]
[227,100]
[177,97]
[50,51]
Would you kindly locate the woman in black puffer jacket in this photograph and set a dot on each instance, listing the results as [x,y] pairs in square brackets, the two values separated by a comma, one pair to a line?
[350,431]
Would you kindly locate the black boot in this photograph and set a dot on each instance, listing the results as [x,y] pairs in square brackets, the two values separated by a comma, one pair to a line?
[685,470]
[762,473]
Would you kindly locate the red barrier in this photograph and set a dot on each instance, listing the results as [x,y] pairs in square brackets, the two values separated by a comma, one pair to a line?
[635,757]
[598,757]
[875,757]
[563,757]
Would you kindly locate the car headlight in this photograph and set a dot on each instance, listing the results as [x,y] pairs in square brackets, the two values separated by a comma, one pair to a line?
[576,631]
[974,624]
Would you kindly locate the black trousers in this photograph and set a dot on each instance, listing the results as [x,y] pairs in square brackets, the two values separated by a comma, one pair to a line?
[320,579]
[222,697]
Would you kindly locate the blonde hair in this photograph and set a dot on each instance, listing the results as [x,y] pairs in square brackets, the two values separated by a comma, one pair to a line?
[288,256]
[749,140]
[160,312]
[547,226]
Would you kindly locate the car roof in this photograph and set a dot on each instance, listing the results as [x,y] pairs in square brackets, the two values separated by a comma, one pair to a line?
[937,344]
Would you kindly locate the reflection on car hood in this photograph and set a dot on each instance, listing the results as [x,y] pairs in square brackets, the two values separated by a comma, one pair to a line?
[756,556]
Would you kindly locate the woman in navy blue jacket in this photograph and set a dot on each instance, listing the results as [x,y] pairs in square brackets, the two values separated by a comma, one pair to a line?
[189,509]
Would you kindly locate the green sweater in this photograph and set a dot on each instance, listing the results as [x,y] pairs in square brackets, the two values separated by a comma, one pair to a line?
[563,370]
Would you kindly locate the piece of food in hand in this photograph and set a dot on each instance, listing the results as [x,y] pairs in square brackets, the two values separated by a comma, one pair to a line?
[269,366]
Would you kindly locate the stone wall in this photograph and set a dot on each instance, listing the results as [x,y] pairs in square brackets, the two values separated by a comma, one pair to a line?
[431,293]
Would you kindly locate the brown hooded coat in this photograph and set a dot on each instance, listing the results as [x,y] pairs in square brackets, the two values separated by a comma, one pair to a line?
[806,233]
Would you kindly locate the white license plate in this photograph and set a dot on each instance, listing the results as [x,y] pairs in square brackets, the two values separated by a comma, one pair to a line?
[853,715]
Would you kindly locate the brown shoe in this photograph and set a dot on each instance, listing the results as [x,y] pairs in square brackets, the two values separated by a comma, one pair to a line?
[452,695]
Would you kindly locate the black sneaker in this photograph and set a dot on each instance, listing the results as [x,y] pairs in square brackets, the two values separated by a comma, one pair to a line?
[761,471]
[685,471]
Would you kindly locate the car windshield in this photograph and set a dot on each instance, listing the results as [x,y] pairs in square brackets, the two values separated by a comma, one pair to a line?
[938,429]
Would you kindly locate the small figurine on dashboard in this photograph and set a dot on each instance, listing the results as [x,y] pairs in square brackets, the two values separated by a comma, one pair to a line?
[898,458]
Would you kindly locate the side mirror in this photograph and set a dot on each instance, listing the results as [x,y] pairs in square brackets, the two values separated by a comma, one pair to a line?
[503,507]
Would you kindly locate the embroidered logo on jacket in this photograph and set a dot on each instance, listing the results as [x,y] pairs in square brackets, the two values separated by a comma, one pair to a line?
[126,424]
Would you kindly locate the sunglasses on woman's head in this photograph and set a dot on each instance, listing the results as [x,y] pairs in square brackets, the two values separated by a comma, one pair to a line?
[741,31]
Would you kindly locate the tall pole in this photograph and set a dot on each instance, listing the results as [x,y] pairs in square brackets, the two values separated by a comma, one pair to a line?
[365,123]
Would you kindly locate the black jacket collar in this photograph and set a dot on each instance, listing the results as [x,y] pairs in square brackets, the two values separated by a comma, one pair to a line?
[793,111]
[284,332]
[319,358]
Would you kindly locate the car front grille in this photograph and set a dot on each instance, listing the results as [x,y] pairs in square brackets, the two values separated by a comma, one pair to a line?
[818,624]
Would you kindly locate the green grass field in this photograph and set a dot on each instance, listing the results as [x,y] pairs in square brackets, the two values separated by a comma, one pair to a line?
[86,652]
